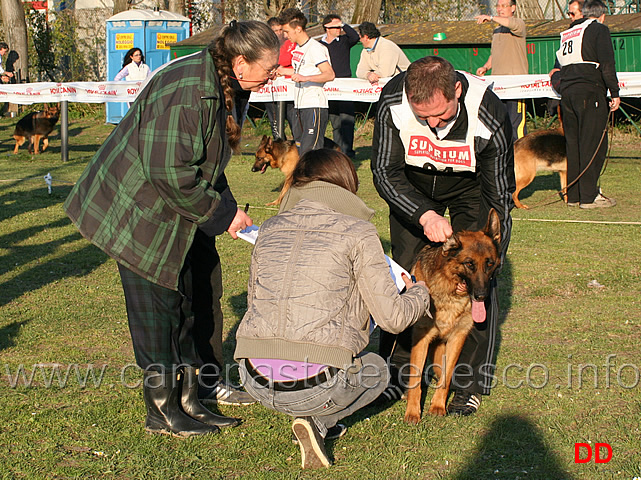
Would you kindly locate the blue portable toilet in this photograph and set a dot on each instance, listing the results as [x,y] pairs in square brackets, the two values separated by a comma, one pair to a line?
[150,30]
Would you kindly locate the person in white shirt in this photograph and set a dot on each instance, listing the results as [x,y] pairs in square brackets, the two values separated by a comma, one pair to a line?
[311,68]
[133,66]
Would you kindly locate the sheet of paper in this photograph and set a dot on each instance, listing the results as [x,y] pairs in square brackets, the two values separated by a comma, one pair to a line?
[395,271]
[249,234]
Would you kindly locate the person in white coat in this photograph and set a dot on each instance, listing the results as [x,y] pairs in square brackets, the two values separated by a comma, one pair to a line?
[133,66]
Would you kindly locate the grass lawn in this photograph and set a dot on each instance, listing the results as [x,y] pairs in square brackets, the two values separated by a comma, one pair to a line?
[567,364]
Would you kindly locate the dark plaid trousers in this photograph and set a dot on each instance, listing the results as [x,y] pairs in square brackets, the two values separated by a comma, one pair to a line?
[169,327]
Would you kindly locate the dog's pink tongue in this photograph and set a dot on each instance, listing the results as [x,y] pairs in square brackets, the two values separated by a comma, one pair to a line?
[478,311]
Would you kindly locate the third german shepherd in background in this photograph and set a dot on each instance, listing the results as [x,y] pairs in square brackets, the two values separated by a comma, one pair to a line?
[540,150]
[281,154]
[458,274]
[35,126]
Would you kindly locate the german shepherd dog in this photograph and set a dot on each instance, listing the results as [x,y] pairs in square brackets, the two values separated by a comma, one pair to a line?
[281,154]
[35,126]
[543,150]
[458,274]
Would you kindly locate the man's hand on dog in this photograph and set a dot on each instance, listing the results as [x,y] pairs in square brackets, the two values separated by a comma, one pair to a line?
[435,227]
[240,222]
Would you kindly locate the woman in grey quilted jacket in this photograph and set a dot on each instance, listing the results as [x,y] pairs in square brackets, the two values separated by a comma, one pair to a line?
[318,272]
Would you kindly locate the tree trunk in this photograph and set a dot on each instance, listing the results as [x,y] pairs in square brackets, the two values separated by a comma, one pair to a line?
[366,11]
[120,6]
[176,6]
[15,28]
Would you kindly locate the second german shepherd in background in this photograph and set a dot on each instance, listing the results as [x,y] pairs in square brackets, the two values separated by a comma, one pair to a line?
[543,150]
[458,274]
[281,154]
[35,126]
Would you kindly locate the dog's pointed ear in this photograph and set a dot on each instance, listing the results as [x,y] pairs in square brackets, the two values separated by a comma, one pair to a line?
[270,141]
[451,245]
[493,227]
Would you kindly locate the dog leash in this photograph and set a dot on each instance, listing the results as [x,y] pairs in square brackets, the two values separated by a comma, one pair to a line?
[564,191]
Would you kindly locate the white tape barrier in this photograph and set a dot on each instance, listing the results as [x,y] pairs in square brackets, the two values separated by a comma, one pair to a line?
[81,92]
[538,86]
[347,89]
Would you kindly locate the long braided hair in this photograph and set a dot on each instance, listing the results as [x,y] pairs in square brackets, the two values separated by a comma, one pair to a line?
[251,39]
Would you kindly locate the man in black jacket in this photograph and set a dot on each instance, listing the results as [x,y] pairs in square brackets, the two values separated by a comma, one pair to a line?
[341,113]
[427,116]
[586,57]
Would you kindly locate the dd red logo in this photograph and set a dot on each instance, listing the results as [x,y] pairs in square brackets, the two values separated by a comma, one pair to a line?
[585,449]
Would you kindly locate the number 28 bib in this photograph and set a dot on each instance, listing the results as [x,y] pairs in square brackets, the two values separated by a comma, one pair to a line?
[571,45]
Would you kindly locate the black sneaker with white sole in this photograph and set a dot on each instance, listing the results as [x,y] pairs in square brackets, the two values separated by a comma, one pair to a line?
[393,393]
[464,403]
[337,431]
[225,394]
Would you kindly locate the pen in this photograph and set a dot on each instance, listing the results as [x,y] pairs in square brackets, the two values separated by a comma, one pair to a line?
[246,207]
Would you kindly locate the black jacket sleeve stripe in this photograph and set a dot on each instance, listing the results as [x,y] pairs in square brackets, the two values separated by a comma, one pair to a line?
[503,175]
[385,158]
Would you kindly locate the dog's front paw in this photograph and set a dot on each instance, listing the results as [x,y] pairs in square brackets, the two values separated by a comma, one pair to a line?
[413,418]
[437,410]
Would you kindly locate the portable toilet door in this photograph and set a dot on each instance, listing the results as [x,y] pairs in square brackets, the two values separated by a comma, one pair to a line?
[150,30]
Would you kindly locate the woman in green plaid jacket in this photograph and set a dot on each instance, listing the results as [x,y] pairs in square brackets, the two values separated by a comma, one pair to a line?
[155,196]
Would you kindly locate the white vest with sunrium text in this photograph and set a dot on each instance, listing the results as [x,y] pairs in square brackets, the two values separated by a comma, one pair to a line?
[572,45]
[422,147]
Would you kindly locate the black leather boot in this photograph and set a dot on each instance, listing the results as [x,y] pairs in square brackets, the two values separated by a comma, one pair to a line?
[164,415]
[192,406]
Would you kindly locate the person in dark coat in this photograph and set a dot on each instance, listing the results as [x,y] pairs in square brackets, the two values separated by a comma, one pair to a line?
[154,197]
[341,113]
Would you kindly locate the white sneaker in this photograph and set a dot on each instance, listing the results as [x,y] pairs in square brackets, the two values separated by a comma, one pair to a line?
[601,201]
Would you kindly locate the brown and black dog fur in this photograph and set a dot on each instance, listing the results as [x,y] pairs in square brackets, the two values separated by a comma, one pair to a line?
[458,274]
[36,126]
[281,154]
[543,150]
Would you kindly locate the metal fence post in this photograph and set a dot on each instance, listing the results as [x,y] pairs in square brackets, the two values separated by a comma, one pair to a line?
[64,130]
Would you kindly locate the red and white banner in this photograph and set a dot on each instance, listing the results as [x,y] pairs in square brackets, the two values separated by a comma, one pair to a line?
[81,92]
[347,89]
[506,87]
[510,87]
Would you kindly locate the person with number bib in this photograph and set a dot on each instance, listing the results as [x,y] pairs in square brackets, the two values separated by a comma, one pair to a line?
[588,71]
[443,141]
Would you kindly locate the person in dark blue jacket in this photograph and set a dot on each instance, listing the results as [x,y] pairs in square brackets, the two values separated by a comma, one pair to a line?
[341,114]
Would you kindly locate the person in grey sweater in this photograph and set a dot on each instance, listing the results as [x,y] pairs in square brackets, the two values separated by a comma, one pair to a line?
[318,272]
